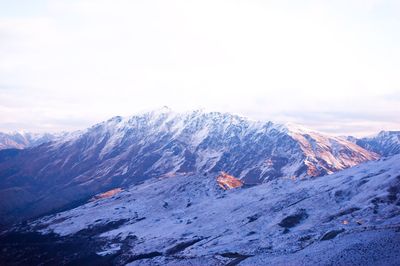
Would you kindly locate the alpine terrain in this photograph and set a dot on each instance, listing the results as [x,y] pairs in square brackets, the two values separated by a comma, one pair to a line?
[21,140]
[123,151]
[200,188]
[385,143]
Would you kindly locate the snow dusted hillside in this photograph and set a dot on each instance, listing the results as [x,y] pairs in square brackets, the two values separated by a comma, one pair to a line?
[349,218]
[328,154]
[22,140]
[124,151]
[386,143]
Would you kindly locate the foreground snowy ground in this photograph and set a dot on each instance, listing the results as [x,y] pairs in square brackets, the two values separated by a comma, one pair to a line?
[351,217]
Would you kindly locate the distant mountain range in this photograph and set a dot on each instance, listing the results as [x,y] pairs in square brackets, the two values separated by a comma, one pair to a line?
[65,171]
[22,140]
[386,143]
[60,170]
[199,188]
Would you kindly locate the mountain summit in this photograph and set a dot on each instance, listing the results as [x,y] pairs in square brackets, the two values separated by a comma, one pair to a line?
[124,151]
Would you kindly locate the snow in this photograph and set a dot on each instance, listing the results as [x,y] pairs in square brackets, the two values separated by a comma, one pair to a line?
[329,153]
[373,247]
[199,137]
[207,159]
[386,143]
[112,249]
[122,151]
[22,139]
[162,212]
[228,137]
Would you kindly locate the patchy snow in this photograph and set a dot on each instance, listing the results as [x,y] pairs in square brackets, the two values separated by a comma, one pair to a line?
[190,215]
[111,249]
[123,151]
[328,153]
[199,137]
[22,139]
[386,143]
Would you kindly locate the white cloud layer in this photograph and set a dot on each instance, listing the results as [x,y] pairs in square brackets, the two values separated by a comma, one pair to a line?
[330,65]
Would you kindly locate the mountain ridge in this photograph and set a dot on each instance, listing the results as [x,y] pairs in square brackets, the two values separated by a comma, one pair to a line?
[123,151]
[386,143]
[22,140]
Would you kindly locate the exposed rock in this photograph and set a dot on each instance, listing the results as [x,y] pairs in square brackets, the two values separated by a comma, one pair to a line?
[331,234]
[237,258]
[181,246]
[253,218]
[293,220]
[226,181]
[342,213]
[238,223]
[121,152]
[386,143]
[144,256]
[107,194]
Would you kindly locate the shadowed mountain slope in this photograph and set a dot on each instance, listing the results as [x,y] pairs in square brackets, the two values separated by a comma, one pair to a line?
[124,151]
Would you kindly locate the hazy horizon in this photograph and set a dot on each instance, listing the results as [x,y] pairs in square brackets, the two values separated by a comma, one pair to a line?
[332,66]
[202,110]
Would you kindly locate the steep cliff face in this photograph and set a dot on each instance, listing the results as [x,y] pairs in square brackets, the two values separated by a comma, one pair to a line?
[124,151]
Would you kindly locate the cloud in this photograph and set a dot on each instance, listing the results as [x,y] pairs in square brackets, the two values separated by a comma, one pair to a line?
[89,60]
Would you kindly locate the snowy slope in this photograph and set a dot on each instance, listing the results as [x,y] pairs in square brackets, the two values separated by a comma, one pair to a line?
[328,154]
[124,151]
[349,217]
[22,140]
[386,143]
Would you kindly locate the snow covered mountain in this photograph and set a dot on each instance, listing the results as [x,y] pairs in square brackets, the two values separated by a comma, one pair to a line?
[386,143]
[124,151]
[348,218]
[22,140]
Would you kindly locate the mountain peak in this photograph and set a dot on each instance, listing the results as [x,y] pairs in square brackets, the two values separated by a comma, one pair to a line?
[124,151]
[297,128]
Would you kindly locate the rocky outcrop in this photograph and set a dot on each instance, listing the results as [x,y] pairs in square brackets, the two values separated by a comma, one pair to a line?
[226,181]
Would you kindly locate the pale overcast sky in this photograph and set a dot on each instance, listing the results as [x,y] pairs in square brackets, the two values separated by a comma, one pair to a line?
[330,65]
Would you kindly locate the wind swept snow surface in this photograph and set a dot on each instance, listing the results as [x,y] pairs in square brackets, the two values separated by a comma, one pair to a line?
[348,218]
